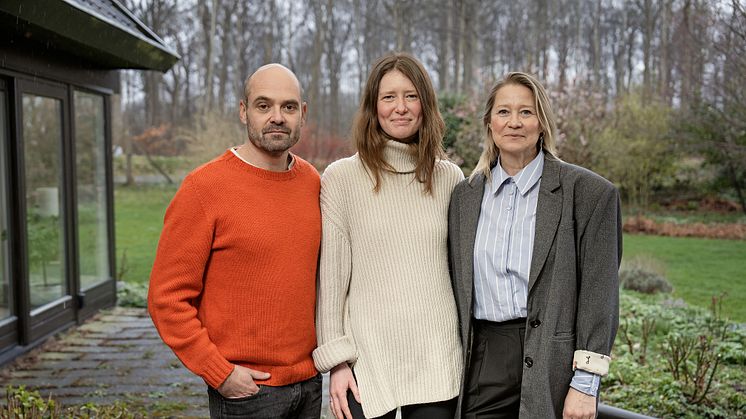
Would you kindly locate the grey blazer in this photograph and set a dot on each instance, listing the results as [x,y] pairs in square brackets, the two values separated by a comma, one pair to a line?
[573,297]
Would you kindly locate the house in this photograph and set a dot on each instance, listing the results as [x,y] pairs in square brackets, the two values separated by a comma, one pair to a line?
[59,62]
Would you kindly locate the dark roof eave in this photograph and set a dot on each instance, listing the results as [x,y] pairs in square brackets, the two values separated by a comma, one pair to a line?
[132,50]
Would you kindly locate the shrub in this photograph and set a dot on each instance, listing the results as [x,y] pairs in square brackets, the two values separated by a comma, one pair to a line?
[130,294]
[23,403]
[671,360]
[644,281]
[645,275]
[29,404]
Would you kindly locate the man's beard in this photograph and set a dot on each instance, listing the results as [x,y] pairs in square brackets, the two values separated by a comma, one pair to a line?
[273,142]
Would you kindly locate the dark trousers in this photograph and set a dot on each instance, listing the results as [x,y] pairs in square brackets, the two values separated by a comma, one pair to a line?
[300,400]
[493,383]
[435,410]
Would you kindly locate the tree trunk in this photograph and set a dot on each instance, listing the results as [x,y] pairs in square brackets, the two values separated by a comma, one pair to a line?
[458,43]
[443,47]
[469,38]
[596,46]
[226,57]
[314,87]
[209,16]
[732,173]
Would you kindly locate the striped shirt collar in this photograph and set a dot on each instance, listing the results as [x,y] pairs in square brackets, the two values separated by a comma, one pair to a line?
[524,180]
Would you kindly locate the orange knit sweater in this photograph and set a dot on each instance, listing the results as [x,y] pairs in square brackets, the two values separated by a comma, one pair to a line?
[234,278]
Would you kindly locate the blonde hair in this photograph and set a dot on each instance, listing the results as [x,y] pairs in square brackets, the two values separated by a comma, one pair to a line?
[547,138]
[368,136]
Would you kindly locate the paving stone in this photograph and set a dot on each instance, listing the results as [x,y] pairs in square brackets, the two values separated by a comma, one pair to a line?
[138,390]
[27,373]
[90,349]
[59,356]
[74,391]
[130,334]
[40,373]
[96,327]
[141,327]
[108,356]
[134,342]
[101,400]
[122,359]
[141,363]
[74,374]
[120,320]
[65,365]
[80,341]
[38,383]
[97,335]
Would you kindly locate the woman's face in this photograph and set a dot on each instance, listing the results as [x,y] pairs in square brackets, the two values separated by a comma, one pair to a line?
[514,125]
[398,106]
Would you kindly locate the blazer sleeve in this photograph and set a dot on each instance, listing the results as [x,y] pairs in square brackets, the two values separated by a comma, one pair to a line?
[600,250]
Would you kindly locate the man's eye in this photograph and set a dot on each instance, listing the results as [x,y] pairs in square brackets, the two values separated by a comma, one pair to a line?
[290,107]
[262,106]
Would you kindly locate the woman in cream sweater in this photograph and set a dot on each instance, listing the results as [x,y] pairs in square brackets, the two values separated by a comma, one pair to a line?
[386,319]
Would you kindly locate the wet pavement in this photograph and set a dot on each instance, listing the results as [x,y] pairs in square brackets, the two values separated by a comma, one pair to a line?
[116,356]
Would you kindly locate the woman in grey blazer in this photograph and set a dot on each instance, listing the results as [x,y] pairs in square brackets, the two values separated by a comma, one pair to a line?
[535,245]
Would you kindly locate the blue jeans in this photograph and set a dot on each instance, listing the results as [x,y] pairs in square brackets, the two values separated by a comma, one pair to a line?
[300,400]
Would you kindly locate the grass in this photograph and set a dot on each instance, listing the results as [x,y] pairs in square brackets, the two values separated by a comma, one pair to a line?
[699,269]
[139,218]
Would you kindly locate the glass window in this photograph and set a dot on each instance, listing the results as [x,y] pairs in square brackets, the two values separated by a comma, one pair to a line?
[90,149]
[42,139]
[5,300]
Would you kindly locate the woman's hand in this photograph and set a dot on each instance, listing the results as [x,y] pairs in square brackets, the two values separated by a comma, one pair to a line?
[579,405]
[340,381]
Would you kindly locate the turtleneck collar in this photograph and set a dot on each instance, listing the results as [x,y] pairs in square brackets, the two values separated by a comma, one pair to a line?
[401,156]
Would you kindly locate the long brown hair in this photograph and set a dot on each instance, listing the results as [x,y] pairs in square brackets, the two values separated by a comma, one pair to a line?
[544,113]
[370,139]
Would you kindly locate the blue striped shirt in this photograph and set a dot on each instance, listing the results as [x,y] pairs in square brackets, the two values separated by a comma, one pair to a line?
[503,249]
[505,242]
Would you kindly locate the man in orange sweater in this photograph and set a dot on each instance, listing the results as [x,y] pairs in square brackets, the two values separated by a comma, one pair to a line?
[233,286]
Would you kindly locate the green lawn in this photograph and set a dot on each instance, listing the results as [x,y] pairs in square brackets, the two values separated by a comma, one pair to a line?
[139,218]
[699,269]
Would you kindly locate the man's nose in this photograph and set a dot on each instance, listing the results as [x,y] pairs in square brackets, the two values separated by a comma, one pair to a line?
[277,117]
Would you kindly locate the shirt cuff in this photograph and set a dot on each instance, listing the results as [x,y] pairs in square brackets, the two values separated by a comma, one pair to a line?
[591,362]
[586,382]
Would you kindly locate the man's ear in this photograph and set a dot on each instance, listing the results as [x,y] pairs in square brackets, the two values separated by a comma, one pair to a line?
[304,111]
[242,112]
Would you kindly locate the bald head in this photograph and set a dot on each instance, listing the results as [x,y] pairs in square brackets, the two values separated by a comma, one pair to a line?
[269,74]
[273,113]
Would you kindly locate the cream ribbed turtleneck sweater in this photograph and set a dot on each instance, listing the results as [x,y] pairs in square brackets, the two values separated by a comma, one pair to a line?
[385,302]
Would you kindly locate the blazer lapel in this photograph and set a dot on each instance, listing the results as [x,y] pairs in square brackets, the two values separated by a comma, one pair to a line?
[471,206]
[548,212]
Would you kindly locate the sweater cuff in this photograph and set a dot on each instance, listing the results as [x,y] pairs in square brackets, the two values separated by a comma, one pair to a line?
[216,371]
[333,353]
[591,362]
